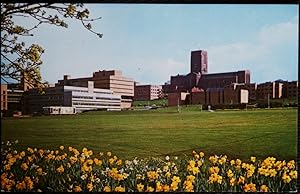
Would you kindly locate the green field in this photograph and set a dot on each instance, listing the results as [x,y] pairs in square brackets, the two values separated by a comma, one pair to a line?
[237,133]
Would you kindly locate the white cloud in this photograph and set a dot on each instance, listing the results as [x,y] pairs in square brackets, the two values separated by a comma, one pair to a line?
[259,55]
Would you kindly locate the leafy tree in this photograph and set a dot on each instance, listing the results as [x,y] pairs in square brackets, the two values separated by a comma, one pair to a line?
[18,59]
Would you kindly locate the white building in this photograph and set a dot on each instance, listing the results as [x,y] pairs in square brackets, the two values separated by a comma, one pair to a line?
[91,98]
[82,98]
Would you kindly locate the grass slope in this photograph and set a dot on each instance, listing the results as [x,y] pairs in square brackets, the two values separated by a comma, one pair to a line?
[239,134]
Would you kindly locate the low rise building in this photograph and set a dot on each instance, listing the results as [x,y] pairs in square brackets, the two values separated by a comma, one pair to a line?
[147,92]
[82,98]
[290,89]
[177,98]
[112,80]
[270,90]
[3,98]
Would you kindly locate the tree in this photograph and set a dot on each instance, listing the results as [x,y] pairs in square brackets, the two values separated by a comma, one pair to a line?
[19,60]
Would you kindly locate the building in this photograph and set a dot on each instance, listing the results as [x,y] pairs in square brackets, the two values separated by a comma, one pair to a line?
[273,90]
[199,77]
[199,62]
[82,98]
[177,98]
[112,80]
[252,87]
[230,94]
[290,89]
[14,99]
[147,92]
[219,80]
[3,98]
[212,85]
[235,94]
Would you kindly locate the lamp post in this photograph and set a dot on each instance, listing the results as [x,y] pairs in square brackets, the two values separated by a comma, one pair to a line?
[268,100]
[177,99]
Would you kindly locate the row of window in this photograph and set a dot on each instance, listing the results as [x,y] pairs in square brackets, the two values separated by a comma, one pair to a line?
[83,97]
[95,104]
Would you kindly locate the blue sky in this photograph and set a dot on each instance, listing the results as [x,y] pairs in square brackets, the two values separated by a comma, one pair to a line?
[149,43]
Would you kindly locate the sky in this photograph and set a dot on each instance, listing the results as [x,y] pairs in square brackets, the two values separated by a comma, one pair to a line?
[151,42]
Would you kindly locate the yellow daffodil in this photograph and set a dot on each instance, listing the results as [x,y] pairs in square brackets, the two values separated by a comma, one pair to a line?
[60,169]
[24,166]
[264,188]
[140,187]
[120,189]
[77,189]
[152,175]
[201,154]
[89,186]
[106,189]
[159,187]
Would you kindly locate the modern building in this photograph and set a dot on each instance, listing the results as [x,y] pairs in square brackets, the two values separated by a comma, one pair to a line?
[82,98]
[112,80]
[213,85]
[198,77]
[147,92]
[270,90]
[3,98]
[230,94]
[11,98]
[199,62]
[290,89]
[177,98]
[252,87]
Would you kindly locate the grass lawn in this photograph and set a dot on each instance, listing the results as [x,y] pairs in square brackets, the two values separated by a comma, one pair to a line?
[239,134]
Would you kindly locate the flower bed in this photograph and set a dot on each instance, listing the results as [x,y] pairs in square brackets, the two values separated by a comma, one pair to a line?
[69,170]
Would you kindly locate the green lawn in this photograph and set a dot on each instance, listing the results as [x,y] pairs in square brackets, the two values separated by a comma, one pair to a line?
[239,134]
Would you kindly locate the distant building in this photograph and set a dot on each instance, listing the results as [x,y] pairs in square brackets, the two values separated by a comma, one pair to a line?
[212,84]
[177,98]
[82,98]
[199,62]
[290,89]
[147,92]
[230,94]
[252,87]
[269,89]
[11,98]
[112,80]
[3,98]
[198,77]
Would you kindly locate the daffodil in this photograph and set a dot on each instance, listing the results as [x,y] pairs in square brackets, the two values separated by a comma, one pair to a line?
[140,187]
[264,188]
[119,189]
[106,189]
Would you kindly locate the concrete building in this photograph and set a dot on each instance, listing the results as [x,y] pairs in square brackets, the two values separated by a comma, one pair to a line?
[112,80]
[3,98]
[147,92]
[82,98]
[273,89]
[213,85]
[290,89]
[252,87]
[199,62]
[198,76]
[230,94]
[11,98]
[235,94]
[177,98]
[14,99]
